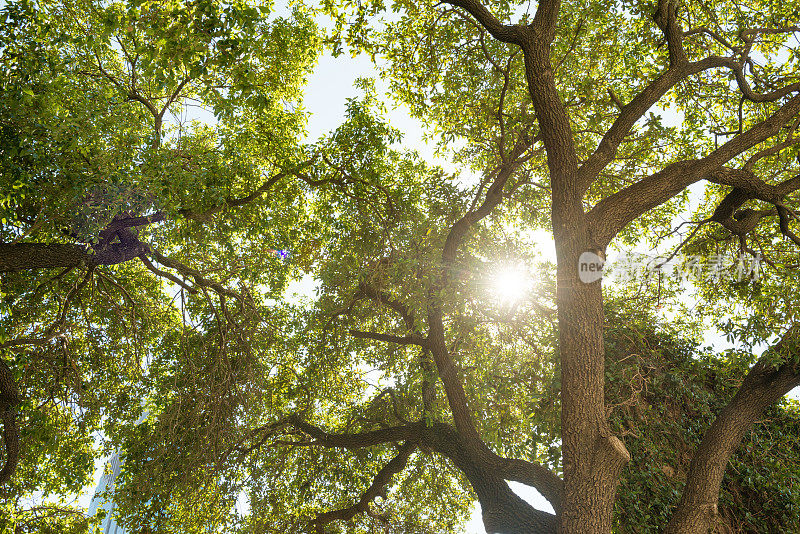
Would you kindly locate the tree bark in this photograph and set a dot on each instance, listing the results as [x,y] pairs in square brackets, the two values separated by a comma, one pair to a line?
[763,386]
[503,510]
[592,457]
[33,256]
[9,398]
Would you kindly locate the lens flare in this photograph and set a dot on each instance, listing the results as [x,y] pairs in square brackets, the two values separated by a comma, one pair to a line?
[510,284]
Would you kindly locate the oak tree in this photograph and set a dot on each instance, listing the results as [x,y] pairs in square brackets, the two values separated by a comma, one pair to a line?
[403,385]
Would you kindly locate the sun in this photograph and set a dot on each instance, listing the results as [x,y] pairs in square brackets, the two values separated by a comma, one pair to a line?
[511,284]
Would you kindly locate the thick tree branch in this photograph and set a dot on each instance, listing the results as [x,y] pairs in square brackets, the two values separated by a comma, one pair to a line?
[556,133]
[410,433]
[546,18]
[505,33]
[746,180]
[783,216]
[763,386]
[130,222]
[667,21]
[511,469]
[503,511]
[613,213]
[649,96]
[436,340]
[535,41]
[34,256]
[738,222]
[633,111]
[452,382]
[533,475]
[389,338]
[486,470]
[746,186]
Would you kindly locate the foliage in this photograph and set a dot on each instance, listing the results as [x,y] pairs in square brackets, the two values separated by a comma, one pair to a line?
[174,338]
[665,392]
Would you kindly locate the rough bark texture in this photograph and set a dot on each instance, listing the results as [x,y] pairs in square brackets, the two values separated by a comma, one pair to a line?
[592,457]
[31,256]
[35,256]
[9,398]
[763,386]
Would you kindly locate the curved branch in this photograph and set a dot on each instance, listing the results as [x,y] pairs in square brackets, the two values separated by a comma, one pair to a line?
[389,338]
[196,275]
[630,113]
[763,386]
[747,181]
[436,340]
[482,468]
[534,475]
[741,81]
[613,213]
[234,202]
[502,510]
[411,433]
[649,96]
[747,186]
[377,488]
[379,296]
[164,274]
[783,215]
[493,198]
[505,33]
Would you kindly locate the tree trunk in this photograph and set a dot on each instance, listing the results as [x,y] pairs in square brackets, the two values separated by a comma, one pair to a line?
[9,398]
[593,458]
